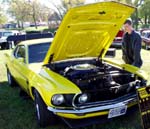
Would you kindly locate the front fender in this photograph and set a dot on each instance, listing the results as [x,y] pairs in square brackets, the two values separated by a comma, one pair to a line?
[49,83]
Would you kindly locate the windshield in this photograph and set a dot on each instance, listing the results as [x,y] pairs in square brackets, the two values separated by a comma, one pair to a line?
[6,34]
[37,52]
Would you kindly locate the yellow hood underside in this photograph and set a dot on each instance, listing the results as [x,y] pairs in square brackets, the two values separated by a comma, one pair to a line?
[88,31]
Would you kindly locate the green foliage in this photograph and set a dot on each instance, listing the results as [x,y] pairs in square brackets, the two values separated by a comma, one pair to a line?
[40,29]
[145,26]
[31,11]
[3,18]
[64,5]
[21,13]
[145,11]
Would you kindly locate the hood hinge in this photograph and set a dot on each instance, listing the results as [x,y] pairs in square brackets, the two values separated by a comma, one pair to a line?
[51,58]
[100,54]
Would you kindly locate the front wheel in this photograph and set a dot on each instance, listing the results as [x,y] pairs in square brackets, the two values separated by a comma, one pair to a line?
[11,80]
[44,117]
[146,46]
[3,47]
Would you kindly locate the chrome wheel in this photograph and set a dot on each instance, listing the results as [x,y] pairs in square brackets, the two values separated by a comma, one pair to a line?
[9,78]
[44,117]
[38,111]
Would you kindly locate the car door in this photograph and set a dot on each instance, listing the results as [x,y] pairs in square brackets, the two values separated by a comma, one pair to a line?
[20,66]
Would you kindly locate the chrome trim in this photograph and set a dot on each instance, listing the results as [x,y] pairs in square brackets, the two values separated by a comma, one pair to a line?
[73,100]
[92,109]
[102,103]
[129,97]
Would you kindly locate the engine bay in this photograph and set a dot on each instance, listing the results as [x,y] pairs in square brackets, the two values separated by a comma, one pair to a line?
[99,80]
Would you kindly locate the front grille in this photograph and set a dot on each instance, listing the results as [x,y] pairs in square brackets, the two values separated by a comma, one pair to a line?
[125,98]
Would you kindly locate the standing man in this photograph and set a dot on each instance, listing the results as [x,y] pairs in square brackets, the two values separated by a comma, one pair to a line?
[131,45]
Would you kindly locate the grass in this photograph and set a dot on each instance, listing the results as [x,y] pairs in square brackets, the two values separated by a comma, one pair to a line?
[39,28]
[18,113]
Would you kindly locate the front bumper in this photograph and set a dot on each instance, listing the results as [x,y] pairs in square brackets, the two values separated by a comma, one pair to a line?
[94,110]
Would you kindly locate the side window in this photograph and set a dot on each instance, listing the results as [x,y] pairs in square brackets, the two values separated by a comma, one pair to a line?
[148,35]
[20,52]
[143,34]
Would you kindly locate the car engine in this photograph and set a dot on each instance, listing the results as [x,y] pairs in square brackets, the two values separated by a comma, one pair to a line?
[102,80]
[98,79]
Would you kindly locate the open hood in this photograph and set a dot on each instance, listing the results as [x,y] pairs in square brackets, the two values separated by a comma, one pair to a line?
[88,31]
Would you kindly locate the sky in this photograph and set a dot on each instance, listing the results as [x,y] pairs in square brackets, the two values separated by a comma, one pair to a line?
[48,3]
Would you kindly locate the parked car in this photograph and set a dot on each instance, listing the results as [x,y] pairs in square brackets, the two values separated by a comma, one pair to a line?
[15,39]
[4,34]
[10,26]
[146,38]
[74,81]
[117,42]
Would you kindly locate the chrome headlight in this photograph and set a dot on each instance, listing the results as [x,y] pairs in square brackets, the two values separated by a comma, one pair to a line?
[58,99]
[83,98]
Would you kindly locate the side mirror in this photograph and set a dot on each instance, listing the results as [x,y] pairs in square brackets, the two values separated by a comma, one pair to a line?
[21,59]
[111,52]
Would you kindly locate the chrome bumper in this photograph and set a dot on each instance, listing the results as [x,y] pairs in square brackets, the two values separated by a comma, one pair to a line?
[92,109]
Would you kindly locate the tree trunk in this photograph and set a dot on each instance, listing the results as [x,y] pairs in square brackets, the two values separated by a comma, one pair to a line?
[22,26]
[148,19]
[34,19]
[145,19]
[137,20]
[18,23]
[48,24]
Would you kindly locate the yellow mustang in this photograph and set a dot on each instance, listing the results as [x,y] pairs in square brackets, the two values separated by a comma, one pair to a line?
[71,78]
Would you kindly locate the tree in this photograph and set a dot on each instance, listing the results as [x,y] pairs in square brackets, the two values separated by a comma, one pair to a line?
[34,11]
[145,11]
[3,18]
[39,12]
[135,15]
[21,13]
[63,7]
[31,11]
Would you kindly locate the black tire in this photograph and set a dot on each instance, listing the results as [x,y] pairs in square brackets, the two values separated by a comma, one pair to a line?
[146,47]
[44,117]
[3,46]
[11,80]
[7,46]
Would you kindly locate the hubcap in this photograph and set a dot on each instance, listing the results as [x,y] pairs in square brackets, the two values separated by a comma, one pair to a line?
[38,111]
[9,78]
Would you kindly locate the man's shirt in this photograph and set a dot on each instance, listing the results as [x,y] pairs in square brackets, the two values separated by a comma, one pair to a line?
[131,48]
